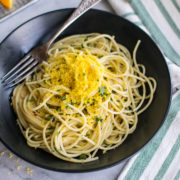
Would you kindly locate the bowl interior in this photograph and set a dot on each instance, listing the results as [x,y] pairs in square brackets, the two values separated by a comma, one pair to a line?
[40,29]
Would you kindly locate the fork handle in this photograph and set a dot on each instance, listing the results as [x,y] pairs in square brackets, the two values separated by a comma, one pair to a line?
[82,8]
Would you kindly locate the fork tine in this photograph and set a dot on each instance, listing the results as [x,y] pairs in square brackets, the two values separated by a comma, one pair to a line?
[15,67]
[21,79]
[23,72]
[19,70]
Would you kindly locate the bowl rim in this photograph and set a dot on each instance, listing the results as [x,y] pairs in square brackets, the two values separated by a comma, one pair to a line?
[125,158]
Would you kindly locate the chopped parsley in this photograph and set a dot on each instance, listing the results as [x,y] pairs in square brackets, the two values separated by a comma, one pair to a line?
[83,156]
[98,119]
[82,45]
[102,90]
[87,135]
[86,39]
[31,100]
[63,98]
[51,128]
[111,99]
[72,103]
[32,76]
[84,74]
[51,116]
[107,38]
[104,142]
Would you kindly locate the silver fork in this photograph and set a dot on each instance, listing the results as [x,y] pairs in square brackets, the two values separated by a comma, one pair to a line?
[30,62]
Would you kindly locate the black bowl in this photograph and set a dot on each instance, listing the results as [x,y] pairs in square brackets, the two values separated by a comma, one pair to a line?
[38,30]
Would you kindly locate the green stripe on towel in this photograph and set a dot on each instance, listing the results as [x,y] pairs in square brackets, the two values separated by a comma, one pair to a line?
[176,5]
[168,17]
[177,177]
[168,160]
[147,153]
[128,14]
[155,31]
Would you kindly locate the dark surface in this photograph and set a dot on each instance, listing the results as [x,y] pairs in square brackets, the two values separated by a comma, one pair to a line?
[37,31]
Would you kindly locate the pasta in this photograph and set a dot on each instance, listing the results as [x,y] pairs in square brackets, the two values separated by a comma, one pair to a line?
[86,97]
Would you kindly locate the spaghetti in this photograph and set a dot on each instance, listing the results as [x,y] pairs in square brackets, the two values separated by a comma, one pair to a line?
[86,97]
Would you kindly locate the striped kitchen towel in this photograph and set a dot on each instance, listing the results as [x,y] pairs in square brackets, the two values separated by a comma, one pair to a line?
[161,18]
[160,159]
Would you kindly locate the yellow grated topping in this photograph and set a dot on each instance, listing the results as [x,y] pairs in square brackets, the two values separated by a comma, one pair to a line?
[2,153]
[10,155]
[79,73]
[29,170]
[18,167]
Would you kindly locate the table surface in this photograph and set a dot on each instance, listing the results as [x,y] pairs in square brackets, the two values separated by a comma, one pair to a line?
[13,168]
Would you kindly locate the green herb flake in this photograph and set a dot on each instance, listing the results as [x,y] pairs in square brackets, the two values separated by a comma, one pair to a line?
[102,90]
[83,156]
[111,99]
[51,116]
[98,119]
[31,100]
[105,143]
[82,45]
[72,103]
[51,128]
[63,98]
[32,76]
[107,39]
[84,74]
[86,39]
[87,135]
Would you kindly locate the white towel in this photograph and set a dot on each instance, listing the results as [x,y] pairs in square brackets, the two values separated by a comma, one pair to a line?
[160,159]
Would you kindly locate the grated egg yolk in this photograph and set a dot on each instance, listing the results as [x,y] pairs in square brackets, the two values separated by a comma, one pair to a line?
[79,73]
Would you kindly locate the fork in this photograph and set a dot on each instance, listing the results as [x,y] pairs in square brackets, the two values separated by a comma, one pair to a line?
[30,62]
